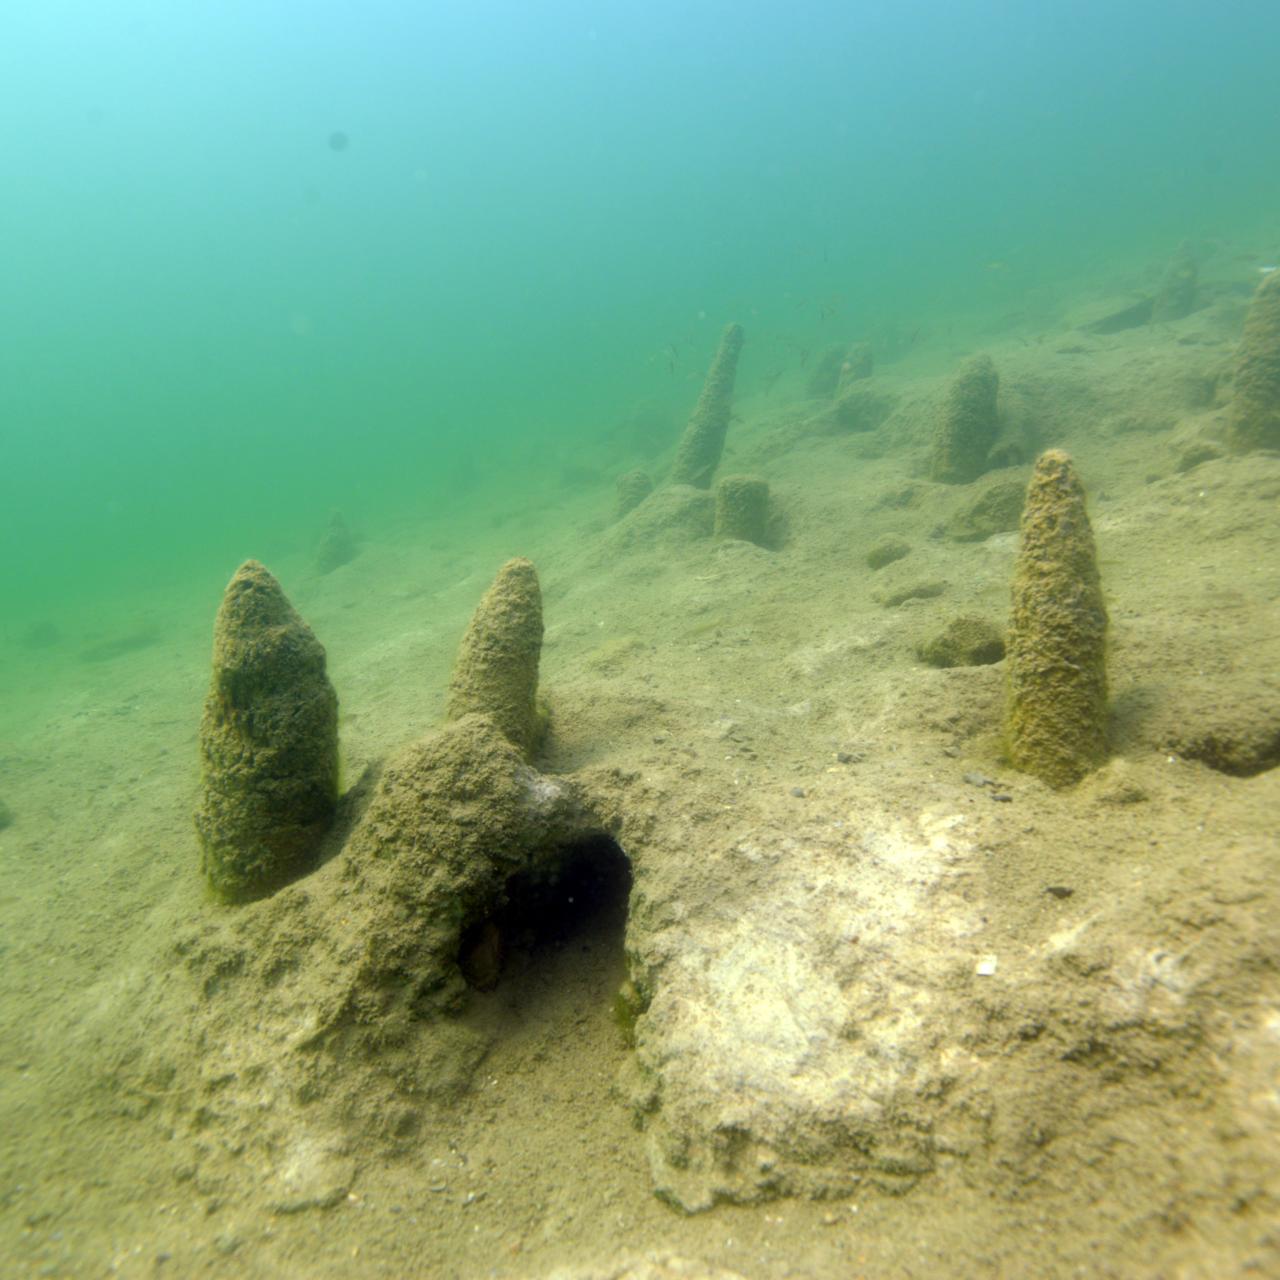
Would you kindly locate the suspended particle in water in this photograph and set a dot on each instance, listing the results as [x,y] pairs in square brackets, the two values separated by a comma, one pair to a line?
[338,141]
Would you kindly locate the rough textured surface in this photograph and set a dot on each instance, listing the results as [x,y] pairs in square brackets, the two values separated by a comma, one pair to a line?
[838,367]
[338,545]
[915,589]
[632,488]
[967,426]
[352,973]
[1176,294]
[703,441]
[742,509]
[851,1021]
[995,508]
[268,742]
[859,407]
[858,363]
[1044,1042]
[886,549]
[673,516]
[1056,707]
[496,670]
[1236,730]
[1253,421]
[825,374]
[654,1266]
[966,641]
[356,975]
[454,817]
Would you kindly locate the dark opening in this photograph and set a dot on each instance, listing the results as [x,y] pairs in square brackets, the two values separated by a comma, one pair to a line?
[581,900]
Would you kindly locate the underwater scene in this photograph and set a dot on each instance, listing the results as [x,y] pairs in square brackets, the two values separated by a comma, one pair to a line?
[640,641]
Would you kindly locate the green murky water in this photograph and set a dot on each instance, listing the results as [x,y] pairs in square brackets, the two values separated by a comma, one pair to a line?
[449,268]
[424,260]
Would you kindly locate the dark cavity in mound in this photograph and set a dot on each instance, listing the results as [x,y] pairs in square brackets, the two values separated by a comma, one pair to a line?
[583,901]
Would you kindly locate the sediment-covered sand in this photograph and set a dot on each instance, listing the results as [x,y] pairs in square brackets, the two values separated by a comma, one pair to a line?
[903,1010]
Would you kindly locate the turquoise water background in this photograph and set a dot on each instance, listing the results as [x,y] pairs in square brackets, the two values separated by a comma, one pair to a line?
[412,259]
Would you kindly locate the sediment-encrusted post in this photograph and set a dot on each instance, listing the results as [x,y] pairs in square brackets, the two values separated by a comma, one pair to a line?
[968,426]
[632,488]
[338,546]
[742,509]
[268,742]
[1253,421]
[1056,695]
[496,670]
[703,439]
[1176,295]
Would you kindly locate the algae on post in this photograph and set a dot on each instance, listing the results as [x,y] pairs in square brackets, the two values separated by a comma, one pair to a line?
[742,509]
[1254,418]
[268,742]
[1176,296]
[631,489]
[968,426]
[1056,696]
[703,439]
[496,670]
[337,547]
